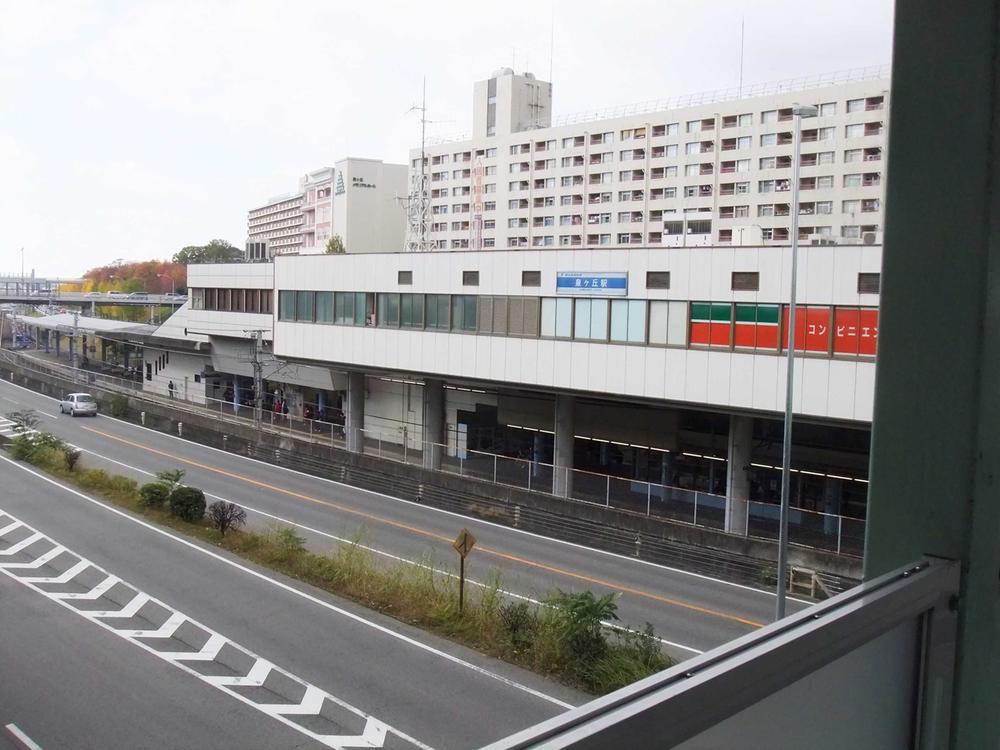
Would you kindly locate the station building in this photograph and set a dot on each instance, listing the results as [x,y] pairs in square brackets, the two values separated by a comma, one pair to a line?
[604,324]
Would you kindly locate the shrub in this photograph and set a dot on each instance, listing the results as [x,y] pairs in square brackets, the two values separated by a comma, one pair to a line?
[118,406]
[154,494]
[519,620]
[188,504]
[94,479]
[71,456]
[579,617]
[28,445]
[225,516]
[289,542]
[171,478]
[768,576]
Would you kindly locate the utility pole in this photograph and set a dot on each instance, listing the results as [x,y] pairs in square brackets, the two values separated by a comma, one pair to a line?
[417,203]
[258,377]
[76,339]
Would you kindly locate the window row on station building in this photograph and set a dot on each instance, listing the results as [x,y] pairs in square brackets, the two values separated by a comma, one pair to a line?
[838,331]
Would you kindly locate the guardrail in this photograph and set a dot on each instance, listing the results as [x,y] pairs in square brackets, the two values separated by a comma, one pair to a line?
[830,532]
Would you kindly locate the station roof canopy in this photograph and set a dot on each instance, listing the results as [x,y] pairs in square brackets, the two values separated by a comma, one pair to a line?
[140,334]
[64,321]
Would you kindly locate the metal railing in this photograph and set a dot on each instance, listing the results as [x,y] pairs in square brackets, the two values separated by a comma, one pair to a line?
[831,532]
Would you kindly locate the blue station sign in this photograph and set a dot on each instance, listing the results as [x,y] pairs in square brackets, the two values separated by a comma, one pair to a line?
[592,283]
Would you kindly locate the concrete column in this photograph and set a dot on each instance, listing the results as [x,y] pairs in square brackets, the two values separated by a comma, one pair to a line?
[832,493]
[104,351]
[355,412]
[562,451]
[58,340]
[737,475]
[537,449]
[48,336]
[434,422]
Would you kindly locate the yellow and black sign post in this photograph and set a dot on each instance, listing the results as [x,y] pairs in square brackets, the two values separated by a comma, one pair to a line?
[463,544]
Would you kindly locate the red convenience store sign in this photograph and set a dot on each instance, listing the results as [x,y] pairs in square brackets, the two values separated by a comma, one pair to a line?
[855,331]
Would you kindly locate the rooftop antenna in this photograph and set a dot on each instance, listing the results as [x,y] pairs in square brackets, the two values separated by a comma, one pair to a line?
[552,36]
[742,22]
[417,200]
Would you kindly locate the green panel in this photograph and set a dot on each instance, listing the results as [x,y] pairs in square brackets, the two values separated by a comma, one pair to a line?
[767,314]
[746,313]
[721,312]
[701,311]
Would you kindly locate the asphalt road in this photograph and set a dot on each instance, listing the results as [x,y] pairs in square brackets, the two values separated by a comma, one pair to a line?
[69,679]
[691,613]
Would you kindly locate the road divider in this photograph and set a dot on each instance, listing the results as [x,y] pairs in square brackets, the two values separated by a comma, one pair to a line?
[485,550]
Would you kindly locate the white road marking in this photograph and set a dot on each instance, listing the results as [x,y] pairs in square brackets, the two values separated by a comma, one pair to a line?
[22,737]
[258,672]
[606,553]
[297,592]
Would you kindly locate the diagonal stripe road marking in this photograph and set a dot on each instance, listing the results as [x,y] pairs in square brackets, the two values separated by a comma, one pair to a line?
[312,703]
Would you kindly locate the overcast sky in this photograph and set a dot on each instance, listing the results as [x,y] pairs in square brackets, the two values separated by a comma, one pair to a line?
[131,129]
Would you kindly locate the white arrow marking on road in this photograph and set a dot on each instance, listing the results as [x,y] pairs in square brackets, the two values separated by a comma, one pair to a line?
[39,561]
[95,593]
[18,546]
[208,652]
[166,630]
[254,678]
[65,577]
[311,703]
[129,610]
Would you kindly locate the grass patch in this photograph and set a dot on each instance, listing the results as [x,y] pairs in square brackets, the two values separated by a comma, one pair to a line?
[563,639]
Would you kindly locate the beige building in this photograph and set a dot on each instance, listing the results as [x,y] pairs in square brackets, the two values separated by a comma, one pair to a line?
[680,173]
[358,200]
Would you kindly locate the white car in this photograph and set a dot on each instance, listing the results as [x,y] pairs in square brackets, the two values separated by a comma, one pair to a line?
[78,403]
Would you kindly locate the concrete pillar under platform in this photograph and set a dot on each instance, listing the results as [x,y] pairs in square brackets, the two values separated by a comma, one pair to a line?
[355,412]
[434,421]
[562,452]
[738,474]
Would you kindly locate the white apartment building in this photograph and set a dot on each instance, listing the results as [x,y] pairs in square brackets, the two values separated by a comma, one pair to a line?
[714,173]
[356,199]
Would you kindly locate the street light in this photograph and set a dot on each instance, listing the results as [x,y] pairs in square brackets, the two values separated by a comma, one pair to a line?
[799,111]
[173,289]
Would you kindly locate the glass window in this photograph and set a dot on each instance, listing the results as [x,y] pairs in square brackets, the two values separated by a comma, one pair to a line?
[344,308]
[364,309]
[324,307]
[437,311]
[286,305]
[304,306]
[388,310]
[463,312]
[411,310]
[591,319]
[557,317]
[197,299]
[628,321]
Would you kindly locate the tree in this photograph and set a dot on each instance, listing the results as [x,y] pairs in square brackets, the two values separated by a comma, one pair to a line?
[225,516]
[335,246]
[216,251]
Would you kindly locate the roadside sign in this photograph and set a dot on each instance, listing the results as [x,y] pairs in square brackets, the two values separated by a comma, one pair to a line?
[464,543]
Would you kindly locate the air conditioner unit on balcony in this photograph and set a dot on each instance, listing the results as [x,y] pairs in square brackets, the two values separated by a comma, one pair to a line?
[821,239]
[869,238]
